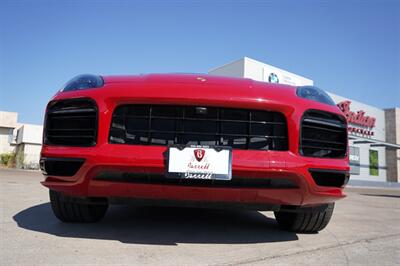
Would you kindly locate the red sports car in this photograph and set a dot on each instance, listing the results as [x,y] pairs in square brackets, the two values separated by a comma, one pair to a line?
[194,140]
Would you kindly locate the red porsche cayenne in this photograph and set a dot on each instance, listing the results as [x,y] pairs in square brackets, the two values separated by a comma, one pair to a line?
[194,140]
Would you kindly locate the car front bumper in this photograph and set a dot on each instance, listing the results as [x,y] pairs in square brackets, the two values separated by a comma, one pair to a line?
[261,178]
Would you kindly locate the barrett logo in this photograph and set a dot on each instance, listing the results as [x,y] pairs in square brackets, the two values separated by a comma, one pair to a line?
[199,154]
[273,78]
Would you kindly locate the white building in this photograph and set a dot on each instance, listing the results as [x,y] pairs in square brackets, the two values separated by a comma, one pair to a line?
[253,69]
[29,144]
[374,133]
[8,122]
[24,141]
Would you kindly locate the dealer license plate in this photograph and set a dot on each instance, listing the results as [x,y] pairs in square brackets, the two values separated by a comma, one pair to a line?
[200,162]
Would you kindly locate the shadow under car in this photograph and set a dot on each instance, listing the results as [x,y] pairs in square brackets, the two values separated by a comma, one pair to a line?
[161,225]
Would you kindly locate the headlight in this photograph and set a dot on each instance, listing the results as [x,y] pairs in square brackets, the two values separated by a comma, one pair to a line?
[82,82]
[314,94]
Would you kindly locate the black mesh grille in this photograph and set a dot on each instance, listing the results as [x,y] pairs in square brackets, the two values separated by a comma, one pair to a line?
[191,125]
[323,135]
[71,123]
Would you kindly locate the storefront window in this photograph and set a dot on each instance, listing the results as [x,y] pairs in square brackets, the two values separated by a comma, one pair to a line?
[373,162]
[354,160]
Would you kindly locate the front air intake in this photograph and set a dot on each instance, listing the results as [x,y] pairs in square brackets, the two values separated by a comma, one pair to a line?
[323,134]
[71,123]
[60,166]
[330,178]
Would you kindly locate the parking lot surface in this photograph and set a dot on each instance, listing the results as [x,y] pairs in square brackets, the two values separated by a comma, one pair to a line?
[365,229]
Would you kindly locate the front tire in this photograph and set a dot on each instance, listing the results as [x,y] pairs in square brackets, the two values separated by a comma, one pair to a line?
[69,210]
[305,222]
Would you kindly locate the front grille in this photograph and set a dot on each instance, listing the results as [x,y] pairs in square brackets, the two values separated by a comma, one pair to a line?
[71,123]
[191,125]
[323,135]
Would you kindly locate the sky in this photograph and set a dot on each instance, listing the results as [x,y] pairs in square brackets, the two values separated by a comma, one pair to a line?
[350,48]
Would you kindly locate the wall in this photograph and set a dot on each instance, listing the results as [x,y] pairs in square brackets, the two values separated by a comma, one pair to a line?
[393,136]
[29,144]
[29,133]
[256,70]
[260,71]
[31,156]
[233,69]
[5,146]
[8,119]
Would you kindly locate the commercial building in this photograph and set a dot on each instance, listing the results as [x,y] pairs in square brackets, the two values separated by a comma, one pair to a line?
[374,133]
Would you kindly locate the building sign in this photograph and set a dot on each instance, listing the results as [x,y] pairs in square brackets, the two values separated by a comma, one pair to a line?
[274,75]
[358,121]
[273,78]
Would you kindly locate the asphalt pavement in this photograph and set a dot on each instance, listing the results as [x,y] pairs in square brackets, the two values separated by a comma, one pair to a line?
[364,230]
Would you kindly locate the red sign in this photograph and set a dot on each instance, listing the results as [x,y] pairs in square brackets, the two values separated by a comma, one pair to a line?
[357,118]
